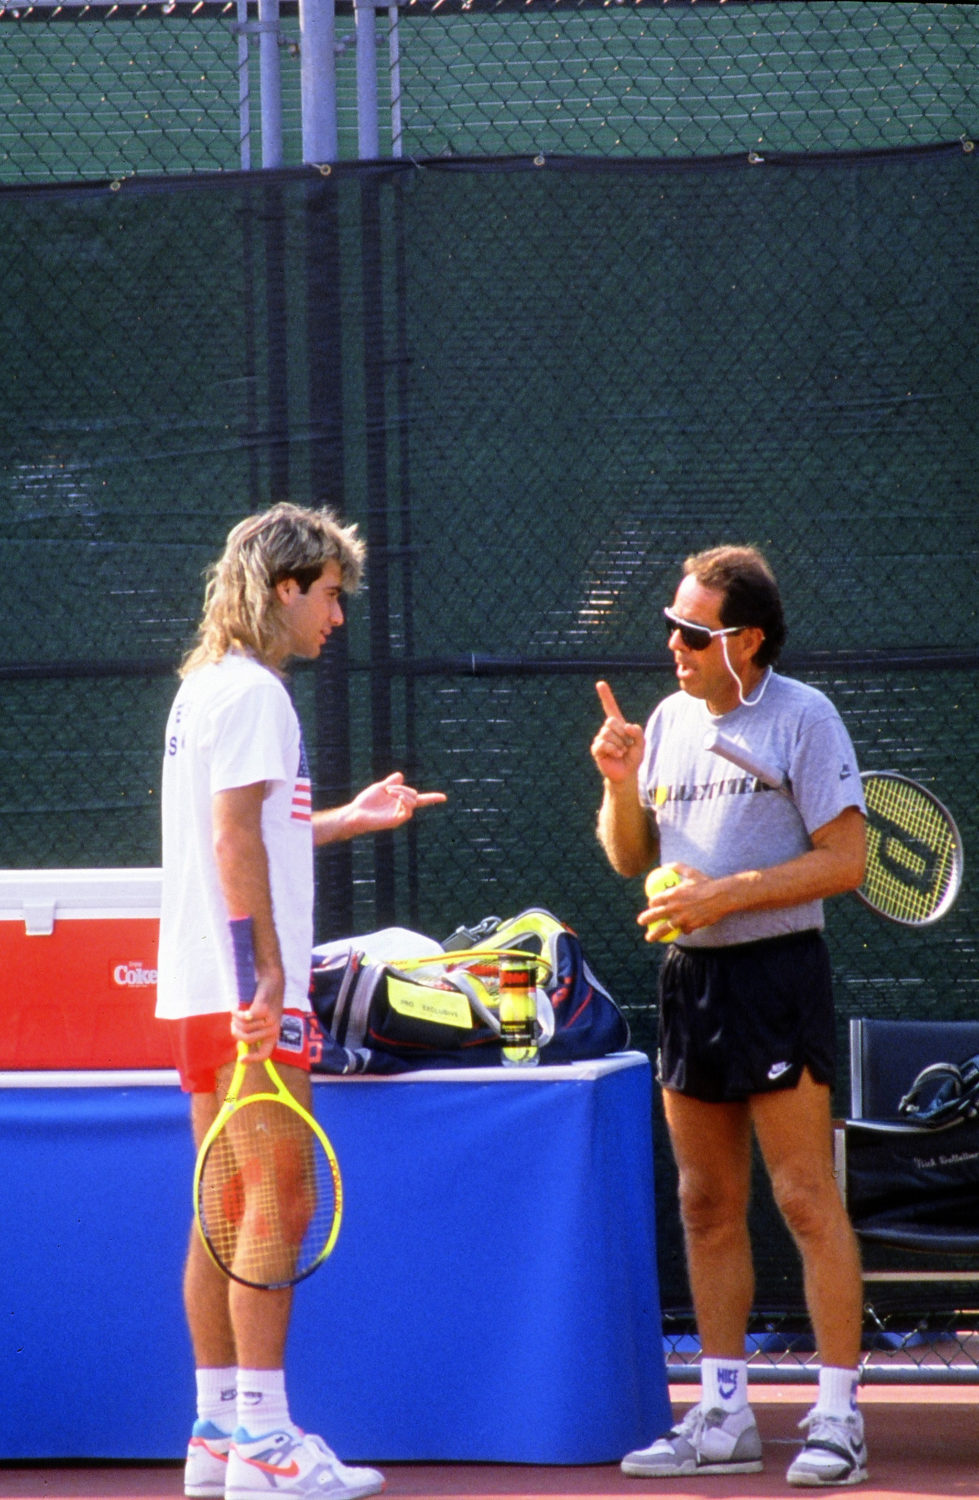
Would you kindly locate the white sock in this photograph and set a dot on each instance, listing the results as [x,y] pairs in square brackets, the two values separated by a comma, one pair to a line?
[262,1404]
[724,1383]
[217,1390]
[837,1391]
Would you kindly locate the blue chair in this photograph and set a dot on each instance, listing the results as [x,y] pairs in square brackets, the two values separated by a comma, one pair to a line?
[908,1186]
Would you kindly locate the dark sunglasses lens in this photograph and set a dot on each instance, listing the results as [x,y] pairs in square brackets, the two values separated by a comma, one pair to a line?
[694,637]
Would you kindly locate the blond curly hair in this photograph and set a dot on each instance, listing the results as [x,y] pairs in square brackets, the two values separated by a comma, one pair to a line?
[241,610]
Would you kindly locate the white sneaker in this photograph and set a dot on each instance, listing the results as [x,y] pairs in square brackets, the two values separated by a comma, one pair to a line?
[207,1462]
[834,1451]
[293,1463]
[705,1442]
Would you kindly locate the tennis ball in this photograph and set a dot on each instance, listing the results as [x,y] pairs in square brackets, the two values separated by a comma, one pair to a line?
[661,879]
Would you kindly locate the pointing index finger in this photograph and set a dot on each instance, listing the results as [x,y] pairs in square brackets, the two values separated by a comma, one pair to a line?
[607,698]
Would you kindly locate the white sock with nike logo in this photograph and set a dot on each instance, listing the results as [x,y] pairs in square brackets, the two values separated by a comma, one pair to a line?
[262,1403]
[724,1384]
[838,1391]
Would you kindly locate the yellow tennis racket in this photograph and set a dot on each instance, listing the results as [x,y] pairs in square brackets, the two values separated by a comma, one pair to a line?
[267,1192]
[914,851]
[915,857]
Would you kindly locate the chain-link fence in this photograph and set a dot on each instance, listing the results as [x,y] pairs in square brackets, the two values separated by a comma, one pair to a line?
[104,91]
[499,76]
[537,382]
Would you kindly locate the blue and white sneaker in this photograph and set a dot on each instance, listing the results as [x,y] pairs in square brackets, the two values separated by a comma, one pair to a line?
[293,1463]
[207,1462]
[834,1451]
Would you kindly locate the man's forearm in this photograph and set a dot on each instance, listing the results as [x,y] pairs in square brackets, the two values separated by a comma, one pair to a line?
[624,830]
[241,860]
[333,825]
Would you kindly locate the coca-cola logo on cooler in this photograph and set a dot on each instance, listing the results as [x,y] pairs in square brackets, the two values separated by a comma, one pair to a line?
[133,975]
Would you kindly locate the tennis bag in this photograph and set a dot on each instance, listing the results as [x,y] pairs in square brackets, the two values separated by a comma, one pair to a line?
[433,1005]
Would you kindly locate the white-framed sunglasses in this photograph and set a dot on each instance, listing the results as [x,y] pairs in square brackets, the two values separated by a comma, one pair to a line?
[697,637]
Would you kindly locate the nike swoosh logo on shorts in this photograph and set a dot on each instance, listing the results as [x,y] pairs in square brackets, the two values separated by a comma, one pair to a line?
[777,1070]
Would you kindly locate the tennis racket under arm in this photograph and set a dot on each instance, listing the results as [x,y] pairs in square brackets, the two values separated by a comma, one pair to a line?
[267,1192]
[915,857]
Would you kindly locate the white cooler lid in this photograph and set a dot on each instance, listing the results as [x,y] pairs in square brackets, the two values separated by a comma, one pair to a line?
[40,897]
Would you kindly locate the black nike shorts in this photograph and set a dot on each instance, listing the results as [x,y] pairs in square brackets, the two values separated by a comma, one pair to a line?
[746,1019]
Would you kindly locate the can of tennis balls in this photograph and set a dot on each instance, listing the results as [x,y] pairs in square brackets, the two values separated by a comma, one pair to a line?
[658,880]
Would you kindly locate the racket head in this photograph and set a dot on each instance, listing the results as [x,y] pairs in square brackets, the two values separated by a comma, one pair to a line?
[268,1196]
[475,971]
[914,851]
[476,957]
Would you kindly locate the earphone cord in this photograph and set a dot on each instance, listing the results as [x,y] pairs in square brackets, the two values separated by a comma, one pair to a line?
[745,702]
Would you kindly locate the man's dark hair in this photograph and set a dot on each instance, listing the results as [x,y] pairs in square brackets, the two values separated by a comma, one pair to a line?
[751,595]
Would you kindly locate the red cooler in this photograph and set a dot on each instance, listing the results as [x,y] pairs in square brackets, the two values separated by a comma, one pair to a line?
[78,970]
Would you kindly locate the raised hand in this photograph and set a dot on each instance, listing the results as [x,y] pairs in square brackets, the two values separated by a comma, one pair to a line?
[389,803]
[617,748]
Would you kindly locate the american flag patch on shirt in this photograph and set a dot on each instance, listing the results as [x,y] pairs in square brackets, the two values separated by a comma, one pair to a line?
[302,795]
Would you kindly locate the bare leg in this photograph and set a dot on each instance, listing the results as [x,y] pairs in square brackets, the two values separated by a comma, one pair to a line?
[712,1147]
[205,1286]
[795,1133]
[231,1324]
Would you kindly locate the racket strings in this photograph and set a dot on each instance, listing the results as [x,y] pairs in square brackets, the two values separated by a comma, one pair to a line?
[913,853]
[268,1195]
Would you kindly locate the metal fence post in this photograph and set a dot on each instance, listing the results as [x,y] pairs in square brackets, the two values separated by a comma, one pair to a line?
[271,82]
[394,63]
[318,76]
[244,89]
[368,137]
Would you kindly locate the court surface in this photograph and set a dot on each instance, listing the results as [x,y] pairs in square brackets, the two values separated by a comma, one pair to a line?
[924,1441]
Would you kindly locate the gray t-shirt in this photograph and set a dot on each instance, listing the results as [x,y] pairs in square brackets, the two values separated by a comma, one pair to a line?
[715,817]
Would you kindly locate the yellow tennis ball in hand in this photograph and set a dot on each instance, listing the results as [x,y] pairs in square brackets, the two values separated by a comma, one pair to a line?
[661,879]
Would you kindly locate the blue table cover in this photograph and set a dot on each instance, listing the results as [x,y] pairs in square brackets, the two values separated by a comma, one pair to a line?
[492,1296]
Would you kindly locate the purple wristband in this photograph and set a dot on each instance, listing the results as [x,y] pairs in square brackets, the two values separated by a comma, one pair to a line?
[243,947]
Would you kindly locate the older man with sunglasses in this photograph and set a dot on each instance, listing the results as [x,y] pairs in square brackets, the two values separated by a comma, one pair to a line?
[746,1026]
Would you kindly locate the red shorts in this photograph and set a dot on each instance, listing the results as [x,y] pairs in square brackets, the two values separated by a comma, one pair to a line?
[203,1044]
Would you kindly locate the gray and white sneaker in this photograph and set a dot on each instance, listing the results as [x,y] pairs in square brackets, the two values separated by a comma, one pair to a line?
[834,1451]
[707,1441]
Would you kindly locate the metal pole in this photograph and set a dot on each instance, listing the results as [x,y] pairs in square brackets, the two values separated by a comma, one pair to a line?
[368,147]
[394,62]
[318,75]
[271,82]
[244,90]
[377,484]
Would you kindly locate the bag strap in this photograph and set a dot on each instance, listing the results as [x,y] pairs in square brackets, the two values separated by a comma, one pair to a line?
[341,1004]
[955,1099]
[943,1070]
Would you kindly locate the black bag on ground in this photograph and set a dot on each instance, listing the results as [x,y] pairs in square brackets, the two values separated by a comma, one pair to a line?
[434,1006]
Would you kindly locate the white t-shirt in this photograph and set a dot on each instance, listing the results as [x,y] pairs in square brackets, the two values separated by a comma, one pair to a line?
[712,816]
[232,724]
